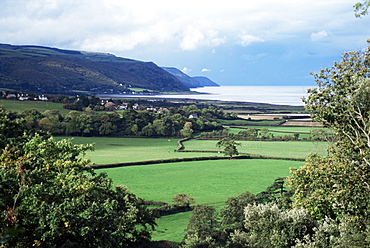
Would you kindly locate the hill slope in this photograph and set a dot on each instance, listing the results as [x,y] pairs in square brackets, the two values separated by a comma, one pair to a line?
[204,81]
[191,82]
[51,70]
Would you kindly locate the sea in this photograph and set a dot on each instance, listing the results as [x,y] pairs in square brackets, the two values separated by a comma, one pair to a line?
[280,95]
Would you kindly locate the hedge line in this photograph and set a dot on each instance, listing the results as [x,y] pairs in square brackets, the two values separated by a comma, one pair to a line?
[175,160]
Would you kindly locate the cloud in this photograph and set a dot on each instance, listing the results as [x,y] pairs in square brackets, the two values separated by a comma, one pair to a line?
[321,35]
[247,39]
[186,70]
[127,25]
[205,70]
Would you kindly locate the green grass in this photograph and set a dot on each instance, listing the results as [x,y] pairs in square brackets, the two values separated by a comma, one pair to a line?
[20,106]
[209,182]
[248,122]
[118,150]
[281,149]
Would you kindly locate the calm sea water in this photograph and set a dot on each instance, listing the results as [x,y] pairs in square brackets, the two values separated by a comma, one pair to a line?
[284,95]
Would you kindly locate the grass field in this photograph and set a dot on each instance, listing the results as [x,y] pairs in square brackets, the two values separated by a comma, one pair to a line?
[209,182]
[281,149]
[118,150]
[20,106]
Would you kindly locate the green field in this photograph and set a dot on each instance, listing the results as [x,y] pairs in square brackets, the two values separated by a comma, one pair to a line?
[304,132]
[209,182]
[119,150]
[281,149]
[20,106]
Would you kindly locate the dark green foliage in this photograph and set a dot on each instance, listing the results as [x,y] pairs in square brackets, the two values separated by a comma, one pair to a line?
[229,145]
[202,230]
[50,197]
[277,193]
[232,215]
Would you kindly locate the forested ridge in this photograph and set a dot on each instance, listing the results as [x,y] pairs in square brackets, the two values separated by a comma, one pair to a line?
[55,71]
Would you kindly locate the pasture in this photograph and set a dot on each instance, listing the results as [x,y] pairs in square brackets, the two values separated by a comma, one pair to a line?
[118,150]
[208,182]
[279,149]
[20,106]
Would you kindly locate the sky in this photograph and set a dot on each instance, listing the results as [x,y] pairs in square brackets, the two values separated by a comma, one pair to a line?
[234,42]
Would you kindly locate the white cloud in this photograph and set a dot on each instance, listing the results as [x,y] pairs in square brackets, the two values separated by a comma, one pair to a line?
[205,70]
[319,35]
[186,70]
[123,25]
[247,39]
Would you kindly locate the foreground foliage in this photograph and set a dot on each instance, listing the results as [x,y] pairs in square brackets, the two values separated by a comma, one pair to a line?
[51,198]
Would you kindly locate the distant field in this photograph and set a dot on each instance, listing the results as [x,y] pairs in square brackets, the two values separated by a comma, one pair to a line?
[281,149]
[20,106]
[280,130]
[118,150]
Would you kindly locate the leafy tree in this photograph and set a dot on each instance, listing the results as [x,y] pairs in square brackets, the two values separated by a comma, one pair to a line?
[187,131]
[183,200]
[338,185]
[276,193]
[51,197]
[202,230]
[229,145]
[232,215]
[269,226]
[361,8]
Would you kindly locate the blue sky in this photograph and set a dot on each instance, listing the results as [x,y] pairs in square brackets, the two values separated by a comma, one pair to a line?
[266,42]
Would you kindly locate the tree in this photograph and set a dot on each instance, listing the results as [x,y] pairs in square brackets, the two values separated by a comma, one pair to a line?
[202,230]
[187,131]
[229,146]
[51,197]
[361,8]
[183,200]
[338,185]
[232,215]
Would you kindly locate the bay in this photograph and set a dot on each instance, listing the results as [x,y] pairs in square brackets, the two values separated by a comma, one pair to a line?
[281,95]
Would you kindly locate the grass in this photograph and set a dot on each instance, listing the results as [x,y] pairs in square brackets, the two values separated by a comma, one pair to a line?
[304,132]
[281,149]
[20,106]
[118,150]
[209,182]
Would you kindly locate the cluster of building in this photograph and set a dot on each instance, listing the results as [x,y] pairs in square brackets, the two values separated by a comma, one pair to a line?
[24,97]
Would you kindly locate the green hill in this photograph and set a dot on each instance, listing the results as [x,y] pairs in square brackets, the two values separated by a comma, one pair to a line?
[51,70]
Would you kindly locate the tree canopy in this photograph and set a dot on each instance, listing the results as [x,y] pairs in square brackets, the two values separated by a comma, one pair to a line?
[338,185]
[51,197]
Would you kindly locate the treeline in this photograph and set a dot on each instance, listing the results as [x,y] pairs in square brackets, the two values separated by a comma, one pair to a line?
[251,133]
[175,122]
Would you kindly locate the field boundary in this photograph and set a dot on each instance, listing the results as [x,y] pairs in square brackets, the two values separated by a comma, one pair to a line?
[175,160]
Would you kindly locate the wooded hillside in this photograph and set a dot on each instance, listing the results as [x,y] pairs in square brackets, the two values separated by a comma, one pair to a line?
[50,70]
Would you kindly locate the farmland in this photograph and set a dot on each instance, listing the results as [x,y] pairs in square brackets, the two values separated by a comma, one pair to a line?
[209,182]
